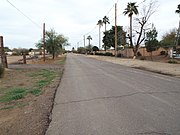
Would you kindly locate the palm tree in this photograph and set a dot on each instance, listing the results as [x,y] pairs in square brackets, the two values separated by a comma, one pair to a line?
[100,23]
[105,21]
[89,38]
[178,12]
[130,10]
[178,9]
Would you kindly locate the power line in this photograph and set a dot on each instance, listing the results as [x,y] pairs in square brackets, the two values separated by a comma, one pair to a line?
[24,14]
[91,30]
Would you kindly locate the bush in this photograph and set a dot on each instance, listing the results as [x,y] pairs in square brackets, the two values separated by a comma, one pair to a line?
[139,54]
[119,55]
[1,71]
[143,58]
[108,54]
[172,61]
[101,54]
[163,53]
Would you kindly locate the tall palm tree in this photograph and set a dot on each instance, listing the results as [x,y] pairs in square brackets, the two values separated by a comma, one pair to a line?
[100,23]
[89,38]
[178,9]
[178,12]
[105,21]
[130,10]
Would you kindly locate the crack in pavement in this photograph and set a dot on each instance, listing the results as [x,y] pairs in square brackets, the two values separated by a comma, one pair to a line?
[113,97]
[153,133]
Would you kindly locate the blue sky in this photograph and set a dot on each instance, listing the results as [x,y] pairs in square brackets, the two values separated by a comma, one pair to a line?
[72,18]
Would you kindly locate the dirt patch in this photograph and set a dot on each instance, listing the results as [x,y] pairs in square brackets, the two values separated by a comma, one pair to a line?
[29,115]
[159,65]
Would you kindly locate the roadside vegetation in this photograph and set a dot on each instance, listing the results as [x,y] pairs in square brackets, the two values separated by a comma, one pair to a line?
[138,35]
[1,71]
[27,96]
[37,81]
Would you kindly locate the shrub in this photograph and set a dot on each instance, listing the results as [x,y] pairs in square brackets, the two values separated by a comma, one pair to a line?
[1,71]
[171,61]
[143,58]
[101,54]
[119,55]
[139,54]
[108,54]
[163,53]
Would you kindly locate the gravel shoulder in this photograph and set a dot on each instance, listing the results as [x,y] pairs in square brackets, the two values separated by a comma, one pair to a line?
[159,67]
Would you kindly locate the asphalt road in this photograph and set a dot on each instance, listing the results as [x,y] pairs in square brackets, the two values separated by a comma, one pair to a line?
[101,98]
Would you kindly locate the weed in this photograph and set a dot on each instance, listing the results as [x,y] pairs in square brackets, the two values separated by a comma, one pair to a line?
[171,61]
[61,61]
[36,91]
[14,106]
[13,94]
[1,71]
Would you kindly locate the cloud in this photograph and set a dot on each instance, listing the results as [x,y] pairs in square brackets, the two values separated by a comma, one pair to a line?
[73,18]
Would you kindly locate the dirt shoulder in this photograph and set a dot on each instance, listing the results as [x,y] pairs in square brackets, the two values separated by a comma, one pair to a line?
[159,67]
[27,96]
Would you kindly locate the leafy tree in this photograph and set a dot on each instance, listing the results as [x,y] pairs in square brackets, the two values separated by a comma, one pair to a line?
[151,42]
[54,42]
[141,21]
[109,37]
[20,51]
[30,49]
[81,50]
[168,39]
[89,38]
[95,48]
[89,48]
[130,10]
[100,23]
[6,49]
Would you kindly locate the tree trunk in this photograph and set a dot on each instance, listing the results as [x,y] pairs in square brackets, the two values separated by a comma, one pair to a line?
[53,56]
[151,56]
[130,27]
[99,37]
[135,53]
[105,39]
[89,42]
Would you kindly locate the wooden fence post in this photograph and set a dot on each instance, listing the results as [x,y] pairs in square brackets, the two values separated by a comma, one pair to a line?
[3,55]
[24,58]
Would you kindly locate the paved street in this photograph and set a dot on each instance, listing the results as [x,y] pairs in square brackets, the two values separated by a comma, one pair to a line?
[101,98]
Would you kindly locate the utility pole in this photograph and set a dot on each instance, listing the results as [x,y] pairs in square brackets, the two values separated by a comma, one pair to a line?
[99,36]
[44,42]
[84,41]
[116,29]
[77,45]
[177,37]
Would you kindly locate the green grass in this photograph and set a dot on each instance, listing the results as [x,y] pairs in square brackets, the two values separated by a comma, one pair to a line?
[46,78]
[171,61]
[14,94]
[42,78]
[62,61]
[36,91]
[1,71]
[14,106]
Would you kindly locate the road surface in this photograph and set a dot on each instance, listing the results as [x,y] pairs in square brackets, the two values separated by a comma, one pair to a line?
[101,98]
